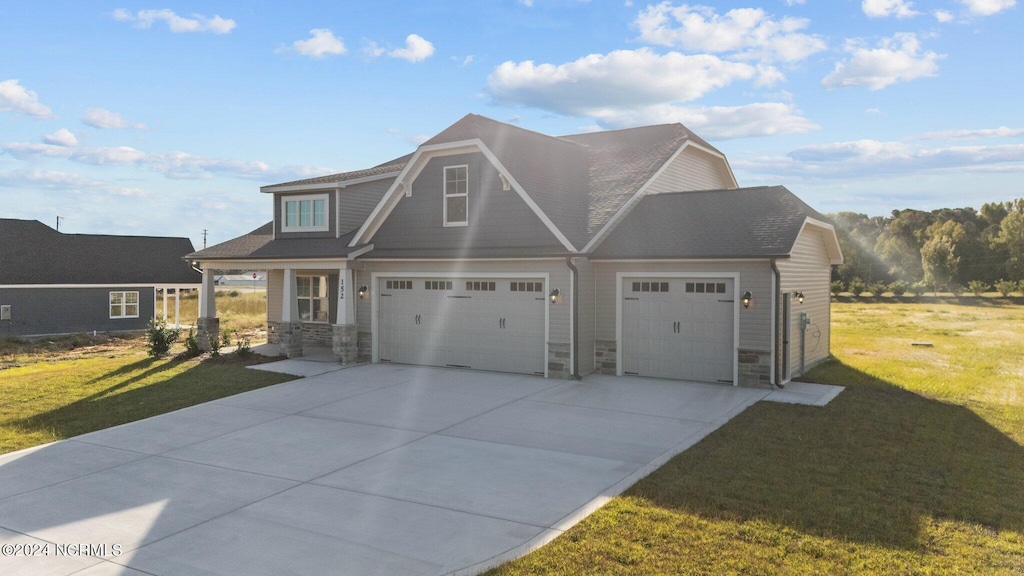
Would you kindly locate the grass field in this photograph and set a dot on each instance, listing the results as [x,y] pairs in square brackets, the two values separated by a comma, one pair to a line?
[240,310]
[917,468]
[73,386]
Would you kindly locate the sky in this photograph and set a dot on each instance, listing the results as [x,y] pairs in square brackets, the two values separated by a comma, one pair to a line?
[165,118]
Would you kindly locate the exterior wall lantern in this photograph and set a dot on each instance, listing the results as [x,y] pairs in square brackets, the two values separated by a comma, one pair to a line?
[362,291]
[554,295]
[799,297]
[747,297]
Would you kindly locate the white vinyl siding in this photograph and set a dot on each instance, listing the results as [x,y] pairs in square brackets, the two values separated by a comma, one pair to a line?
[304,213]
[692,169]
[456,195]
[124,304]
[808,271]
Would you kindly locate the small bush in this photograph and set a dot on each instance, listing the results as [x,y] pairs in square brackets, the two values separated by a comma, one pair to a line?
[877,289]
[159,338]
[955,289]
[837,287]
[977,287]
[1020,287]
[918,288]
[244,347]
[215,344]
[192,345]
[225,338]
[898,288]
[1006,287]
[857,287]
[234,293]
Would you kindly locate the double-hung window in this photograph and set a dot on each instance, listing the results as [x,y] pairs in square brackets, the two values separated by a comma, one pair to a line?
[124,304]
[456,195]
[312,295]
[304,213]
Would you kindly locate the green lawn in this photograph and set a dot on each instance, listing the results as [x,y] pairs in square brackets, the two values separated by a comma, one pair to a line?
[917,468]
[49,395]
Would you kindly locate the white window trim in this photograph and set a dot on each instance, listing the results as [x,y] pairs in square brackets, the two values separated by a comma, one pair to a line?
[327,213]
[445,196]
[124,303]
[326,299]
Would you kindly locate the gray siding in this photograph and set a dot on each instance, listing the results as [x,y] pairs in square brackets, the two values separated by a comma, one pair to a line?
[692,170]
[332,208]
[755,276]
[38,311]
[358,201]
[497,218]
[587,311]
[808,270]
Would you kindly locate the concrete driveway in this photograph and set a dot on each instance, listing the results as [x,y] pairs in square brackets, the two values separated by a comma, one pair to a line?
[380,469]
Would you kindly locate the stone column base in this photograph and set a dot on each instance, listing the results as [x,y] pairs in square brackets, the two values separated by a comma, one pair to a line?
[207,328]
[346,348]
[289,338]
[755,368]
[558,361]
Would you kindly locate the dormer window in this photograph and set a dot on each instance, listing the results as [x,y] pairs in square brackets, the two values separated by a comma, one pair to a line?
[304,213]
[456,195]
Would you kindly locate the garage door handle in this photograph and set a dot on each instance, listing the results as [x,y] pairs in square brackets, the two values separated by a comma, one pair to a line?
[632,298]
[726,300]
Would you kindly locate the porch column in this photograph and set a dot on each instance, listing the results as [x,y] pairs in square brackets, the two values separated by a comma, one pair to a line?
[164,290]
[289,331]
[207,324]
[345,329]
[177,307]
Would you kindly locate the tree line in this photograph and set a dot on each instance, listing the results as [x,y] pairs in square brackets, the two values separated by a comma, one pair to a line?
[946,249]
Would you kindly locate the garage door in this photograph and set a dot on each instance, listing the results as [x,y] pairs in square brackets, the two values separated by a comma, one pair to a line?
[481,323]
[678,328]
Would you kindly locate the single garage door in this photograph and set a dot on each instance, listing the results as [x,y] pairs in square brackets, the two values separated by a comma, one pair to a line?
[679,328]
[481,323]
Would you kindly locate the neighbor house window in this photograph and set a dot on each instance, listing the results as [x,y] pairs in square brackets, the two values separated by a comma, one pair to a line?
[456,195]
[304,213]
[312,294]
[124,304]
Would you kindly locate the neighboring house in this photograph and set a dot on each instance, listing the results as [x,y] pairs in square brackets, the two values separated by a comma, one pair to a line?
[497,248]
[53,283]
[249,279]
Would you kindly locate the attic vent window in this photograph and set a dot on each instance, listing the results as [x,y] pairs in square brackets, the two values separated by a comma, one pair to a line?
[456,195]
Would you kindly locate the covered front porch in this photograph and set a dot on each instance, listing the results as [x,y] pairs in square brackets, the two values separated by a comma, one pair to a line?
[310,308]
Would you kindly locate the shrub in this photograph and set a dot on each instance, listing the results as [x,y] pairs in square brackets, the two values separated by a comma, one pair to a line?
[225,338]
[215,344]
[857,287]
[192,345]
[244,347]
[159,338]
[918,288]
[977,287]
[877,289]
[1006,287]
[898,288]
[955,289]
[837,287]
[233,294]
[1020,287]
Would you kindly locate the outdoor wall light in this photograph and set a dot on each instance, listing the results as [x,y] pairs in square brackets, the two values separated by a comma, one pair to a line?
[554,295]
[747,297]
[362,291]
[799,297]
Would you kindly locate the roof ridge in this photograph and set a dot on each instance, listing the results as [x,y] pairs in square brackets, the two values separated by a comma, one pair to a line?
[520,128]
[645,127]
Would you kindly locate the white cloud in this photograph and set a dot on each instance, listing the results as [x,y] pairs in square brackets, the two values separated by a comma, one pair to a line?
[746,33]
[371,49]
[463,61]
[418,139]
[322,42]
[943,16]
[62,137]
[886,8]
[16,98]
[988,7]
[1001,132]
[65,182]
[392,130]
[175,23]
[896,59]
[105,120]
[178,165]
[795,2]
[714,122]
[417,49]
[869,158]
[873,111]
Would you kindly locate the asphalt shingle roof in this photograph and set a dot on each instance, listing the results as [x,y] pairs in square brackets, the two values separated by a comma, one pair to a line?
[755,222]
[395,165]
[33,253]
[260,244]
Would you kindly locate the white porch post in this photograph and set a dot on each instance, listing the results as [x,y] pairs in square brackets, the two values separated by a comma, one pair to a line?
[346,297]
[164,290]
[177,307]
[207,296]
[289,331]
[289,303]
[346,333]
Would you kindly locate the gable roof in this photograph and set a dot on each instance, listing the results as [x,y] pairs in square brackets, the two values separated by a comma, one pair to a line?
[390,167]
[34,253]
[760,222]
[261,244]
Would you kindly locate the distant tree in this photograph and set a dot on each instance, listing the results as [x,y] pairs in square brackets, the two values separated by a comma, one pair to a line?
[898,288]
[977,287]
[1006,287]
[857,287]
[837,287]
[940,263]
[877,289]
[1011,238]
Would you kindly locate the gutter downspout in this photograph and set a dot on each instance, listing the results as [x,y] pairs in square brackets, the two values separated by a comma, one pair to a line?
[575,318]
[775,336]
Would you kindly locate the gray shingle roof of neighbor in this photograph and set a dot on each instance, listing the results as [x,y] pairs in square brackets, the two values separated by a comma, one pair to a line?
[395,165]
[757,222]
[33,253]
[260,244]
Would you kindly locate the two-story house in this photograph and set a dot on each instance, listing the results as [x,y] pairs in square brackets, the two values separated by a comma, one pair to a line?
[493,247]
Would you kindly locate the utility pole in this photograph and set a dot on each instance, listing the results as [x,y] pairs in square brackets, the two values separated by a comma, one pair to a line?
[205,232]
[59,218]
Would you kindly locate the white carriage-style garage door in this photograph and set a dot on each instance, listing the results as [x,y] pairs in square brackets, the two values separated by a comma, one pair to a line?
[481,323]
[680,328]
